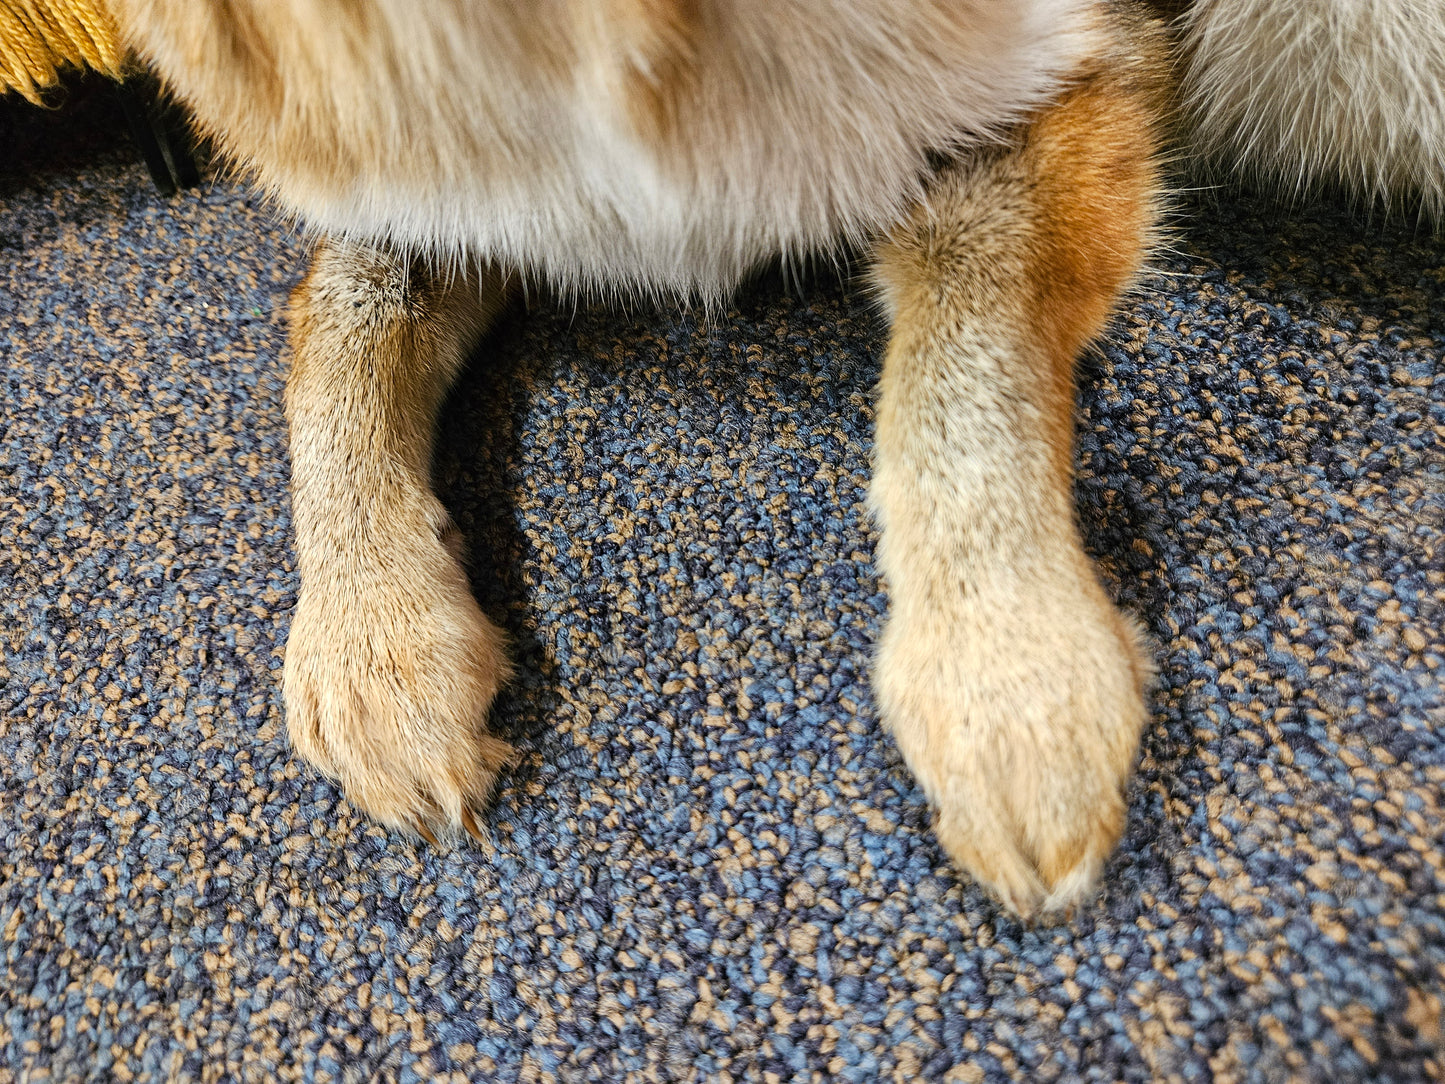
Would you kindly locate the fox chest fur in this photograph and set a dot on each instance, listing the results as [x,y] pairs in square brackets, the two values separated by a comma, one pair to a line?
[655,146]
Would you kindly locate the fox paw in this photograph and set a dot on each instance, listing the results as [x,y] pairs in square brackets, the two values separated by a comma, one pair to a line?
[388,680]
[1022,724]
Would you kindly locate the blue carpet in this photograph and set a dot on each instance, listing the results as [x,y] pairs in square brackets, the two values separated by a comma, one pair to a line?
[710,863]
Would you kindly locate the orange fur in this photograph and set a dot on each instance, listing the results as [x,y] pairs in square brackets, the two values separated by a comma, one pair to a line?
[1097,189]
[664,37]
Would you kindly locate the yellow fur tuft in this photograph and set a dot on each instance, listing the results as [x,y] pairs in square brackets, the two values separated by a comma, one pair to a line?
[40,38]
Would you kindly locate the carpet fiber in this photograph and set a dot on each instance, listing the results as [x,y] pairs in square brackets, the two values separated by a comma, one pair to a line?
[710,863]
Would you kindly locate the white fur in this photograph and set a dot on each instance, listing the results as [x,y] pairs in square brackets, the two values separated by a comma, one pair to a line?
[809,122]
[833,145]
[1305,93]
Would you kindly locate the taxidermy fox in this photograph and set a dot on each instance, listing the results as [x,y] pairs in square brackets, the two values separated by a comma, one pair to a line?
[997,159]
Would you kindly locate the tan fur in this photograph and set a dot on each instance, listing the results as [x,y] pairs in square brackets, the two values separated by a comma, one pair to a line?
[665,146]
[391,666]
[1013,687]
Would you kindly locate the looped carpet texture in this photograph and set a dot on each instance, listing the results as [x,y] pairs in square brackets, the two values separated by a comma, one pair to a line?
[710,864]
